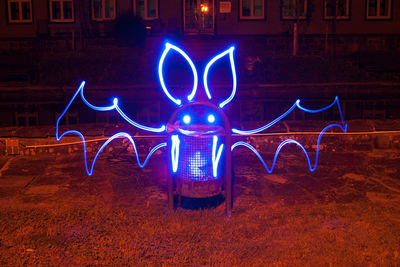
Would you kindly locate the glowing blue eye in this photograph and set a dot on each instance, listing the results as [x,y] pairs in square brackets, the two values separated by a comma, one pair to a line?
[211,118]
[186,119]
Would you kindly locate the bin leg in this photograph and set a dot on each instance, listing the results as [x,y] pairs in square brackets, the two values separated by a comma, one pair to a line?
[170,193]
[179,201]
[228,181]
[228,196]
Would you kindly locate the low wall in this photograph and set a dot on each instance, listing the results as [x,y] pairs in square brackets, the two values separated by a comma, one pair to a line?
[362,135]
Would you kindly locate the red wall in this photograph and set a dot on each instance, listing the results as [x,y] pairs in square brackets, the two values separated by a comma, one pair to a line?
[225,24]
[230,23]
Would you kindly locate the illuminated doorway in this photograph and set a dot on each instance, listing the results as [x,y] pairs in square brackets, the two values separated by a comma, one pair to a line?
[198,16]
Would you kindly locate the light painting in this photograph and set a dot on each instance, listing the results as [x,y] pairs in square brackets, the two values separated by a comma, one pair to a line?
[196,159]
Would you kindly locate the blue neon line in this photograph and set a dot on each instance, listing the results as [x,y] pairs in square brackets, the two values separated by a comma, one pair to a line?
[340,111]
[209,64]
[296,104]
[266,126]
[291,141]
[161,129]
[234,78]
[317,110]
[115,106]
[175,152]
[215,159]
[115,101]
[117,135]
[168,47]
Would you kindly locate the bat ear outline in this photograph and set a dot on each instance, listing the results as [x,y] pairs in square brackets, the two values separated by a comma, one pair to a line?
[168,48]
[227,52]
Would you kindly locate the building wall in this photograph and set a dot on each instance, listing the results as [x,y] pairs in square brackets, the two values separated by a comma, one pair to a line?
[41,24]
[314,24]
[171,19]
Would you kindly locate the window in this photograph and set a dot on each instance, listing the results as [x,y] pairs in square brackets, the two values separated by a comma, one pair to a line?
[379,9]
[70,117]
[251,111]
[103,9]
[27,115]
[252,9]
[19,11]
[336,9]
[294,9]
[148,112]
[146,9]
[61,10]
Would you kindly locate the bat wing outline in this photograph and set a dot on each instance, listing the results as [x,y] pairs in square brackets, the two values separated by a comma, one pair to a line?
[311,167]
[115,106]
[296,104]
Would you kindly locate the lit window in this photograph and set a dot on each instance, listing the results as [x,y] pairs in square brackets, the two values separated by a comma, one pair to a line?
[103,9]
[61,10]
[294,9]
[252,9]
[19,11]
[336,9]
[379,9]
[146,9]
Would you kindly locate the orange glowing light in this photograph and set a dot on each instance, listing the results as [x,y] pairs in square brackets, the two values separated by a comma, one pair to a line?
[204,8]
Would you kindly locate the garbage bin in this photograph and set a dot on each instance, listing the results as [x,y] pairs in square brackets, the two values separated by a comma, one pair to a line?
[200,153]
[199,175]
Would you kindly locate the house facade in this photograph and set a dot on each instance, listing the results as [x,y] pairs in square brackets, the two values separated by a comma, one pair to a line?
[357,23]
[34,86]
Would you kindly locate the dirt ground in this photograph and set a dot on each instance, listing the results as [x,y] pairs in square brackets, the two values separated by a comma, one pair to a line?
[345,213]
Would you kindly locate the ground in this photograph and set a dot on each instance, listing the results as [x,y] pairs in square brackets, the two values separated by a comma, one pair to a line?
[345,213]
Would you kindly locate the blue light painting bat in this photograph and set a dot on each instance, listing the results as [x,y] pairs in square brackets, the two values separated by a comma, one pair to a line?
[187,119]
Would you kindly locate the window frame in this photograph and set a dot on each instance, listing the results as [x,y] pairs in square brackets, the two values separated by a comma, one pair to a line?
[283,17]
[378,17]
[61,20]
[347,17]
[146,111]
[252,17]
[19,21]
[145,10]
[103,17]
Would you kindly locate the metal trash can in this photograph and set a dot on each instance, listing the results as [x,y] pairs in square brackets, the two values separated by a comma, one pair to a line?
[199,154]
[194,177]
